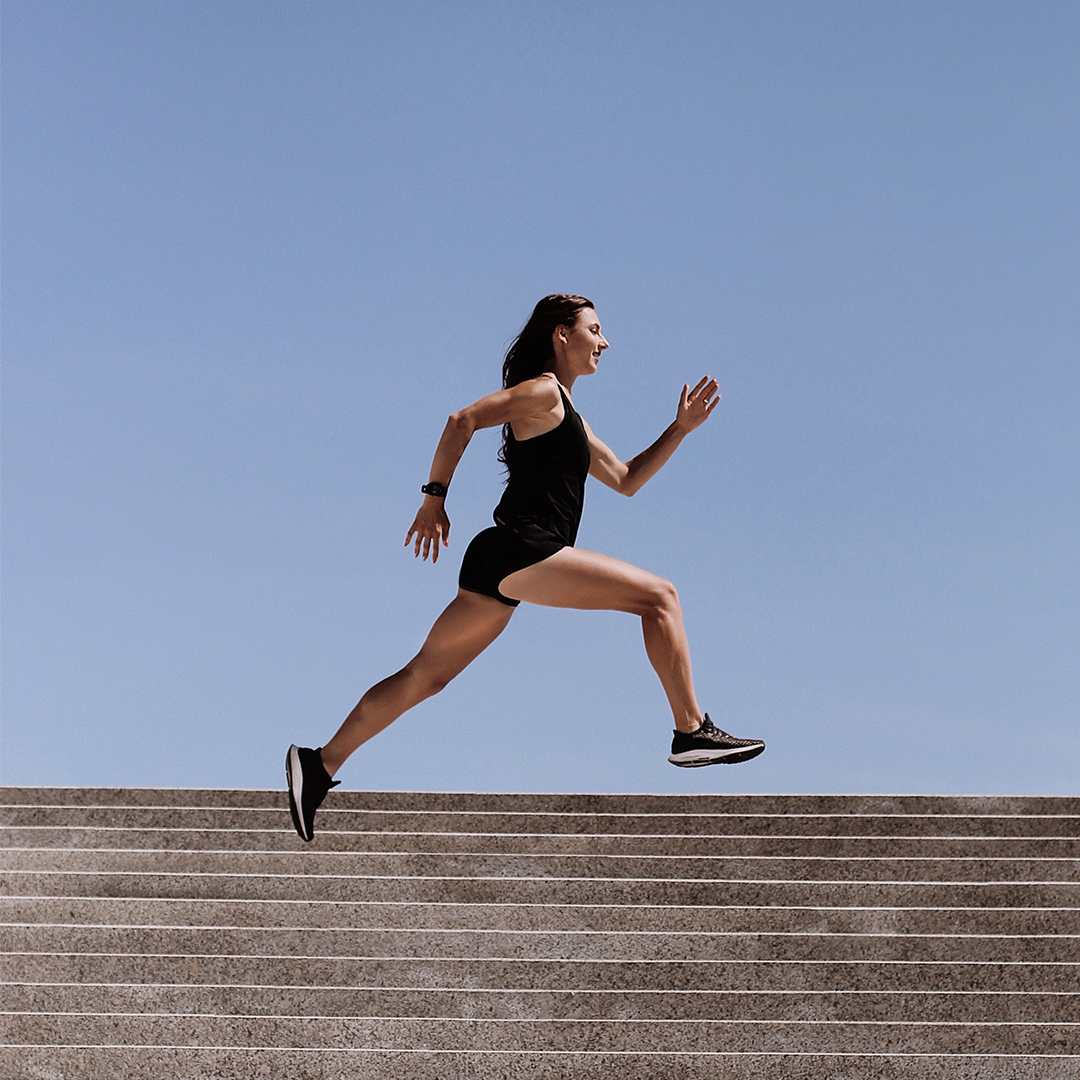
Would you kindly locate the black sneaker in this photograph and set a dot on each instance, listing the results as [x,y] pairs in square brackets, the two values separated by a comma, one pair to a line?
[308,784]
[711,746]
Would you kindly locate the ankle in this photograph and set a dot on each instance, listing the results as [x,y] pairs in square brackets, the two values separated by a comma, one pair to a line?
[329,766]
[688,725]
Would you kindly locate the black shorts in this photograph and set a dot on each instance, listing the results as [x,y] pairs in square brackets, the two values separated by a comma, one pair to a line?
[495,554]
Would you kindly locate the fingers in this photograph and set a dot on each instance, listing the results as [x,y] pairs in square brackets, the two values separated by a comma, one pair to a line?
[428,538]
[442,533]
[698,404]
[421,538]
[704,391]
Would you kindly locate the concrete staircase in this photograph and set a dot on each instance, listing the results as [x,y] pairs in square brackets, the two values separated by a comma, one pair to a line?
[184,933]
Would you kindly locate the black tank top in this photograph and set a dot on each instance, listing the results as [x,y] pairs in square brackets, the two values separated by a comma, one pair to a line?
[546,487]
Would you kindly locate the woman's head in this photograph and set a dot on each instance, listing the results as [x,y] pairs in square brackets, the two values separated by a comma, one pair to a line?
[531,353]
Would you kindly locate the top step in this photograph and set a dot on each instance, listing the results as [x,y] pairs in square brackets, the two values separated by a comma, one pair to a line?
[478,802]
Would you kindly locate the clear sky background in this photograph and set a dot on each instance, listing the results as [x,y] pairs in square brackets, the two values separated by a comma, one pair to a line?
[254,254]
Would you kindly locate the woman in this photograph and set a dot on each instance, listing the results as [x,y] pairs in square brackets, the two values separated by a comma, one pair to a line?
[529,553]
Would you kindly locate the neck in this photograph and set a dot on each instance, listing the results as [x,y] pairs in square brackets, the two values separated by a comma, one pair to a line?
[562,372]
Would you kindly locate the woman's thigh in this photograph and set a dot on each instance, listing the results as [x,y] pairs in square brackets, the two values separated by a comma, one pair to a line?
[468,625]
[573,578]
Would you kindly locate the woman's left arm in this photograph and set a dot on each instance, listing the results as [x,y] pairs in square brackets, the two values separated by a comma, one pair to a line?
[627,477]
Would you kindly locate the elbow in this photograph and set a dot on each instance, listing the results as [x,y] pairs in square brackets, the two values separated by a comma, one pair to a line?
[461,424]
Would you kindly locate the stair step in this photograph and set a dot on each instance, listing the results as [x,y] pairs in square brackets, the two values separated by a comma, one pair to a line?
[463,888]
[576,944]
[531,973]
[125,911]
[513,821]
[578,844]
[498,1002]
[591,866]
[464,1033]
[152,1062]
[609,805]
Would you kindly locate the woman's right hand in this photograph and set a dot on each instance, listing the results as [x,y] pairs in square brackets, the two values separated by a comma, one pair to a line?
[431,527]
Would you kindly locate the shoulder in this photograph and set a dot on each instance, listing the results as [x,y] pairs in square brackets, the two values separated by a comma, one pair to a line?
[542,392]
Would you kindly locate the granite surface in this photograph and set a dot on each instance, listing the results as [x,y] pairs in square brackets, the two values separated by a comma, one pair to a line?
[187,933]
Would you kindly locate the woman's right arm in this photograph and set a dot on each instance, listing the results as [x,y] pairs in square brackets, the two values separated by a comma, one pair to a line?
[431,526]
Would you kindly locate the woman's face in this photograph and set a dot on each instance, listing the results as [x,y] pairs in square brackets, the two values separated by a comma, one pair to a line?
[584,343]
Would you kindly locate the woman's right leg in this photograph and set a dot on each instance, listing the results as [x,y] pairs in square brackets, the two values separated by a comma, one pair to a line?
[573,578]
[461,633]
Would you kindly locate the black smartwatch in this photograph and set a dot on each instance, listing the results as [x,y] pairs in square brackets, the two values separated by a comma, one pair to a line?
[435,488]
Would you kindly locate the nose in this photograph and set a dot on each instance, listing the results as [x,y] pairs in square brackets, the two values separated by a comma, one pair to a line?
[603,342]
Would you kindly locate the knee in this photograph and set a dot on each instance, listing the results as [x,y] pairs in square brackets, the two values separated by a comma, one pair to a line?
[427,681]
[661,600]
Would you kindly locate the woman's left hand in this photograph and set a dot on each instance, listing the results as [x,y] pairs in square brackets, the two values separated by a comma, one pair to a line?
[696,406]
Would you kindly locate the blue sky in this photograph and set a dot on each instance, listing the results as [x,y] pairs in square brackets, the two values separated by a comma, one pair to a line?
[254,254]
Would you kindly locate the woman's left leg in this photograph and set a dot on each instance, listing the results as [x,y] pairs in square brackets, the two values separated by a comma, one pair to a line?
[467,627]
[460,634]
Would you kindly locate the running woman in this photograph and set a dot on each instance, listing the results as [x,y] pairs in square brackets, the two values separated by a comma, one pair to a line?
[529,553]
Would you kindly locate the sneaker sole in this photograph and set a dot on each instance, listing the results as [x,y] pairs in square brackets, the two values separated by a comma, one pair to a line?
[693,759]
[295,776]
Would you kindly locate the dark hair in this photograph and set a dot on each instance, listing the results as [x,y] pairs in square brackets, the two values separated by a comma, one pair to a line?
[531,352]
